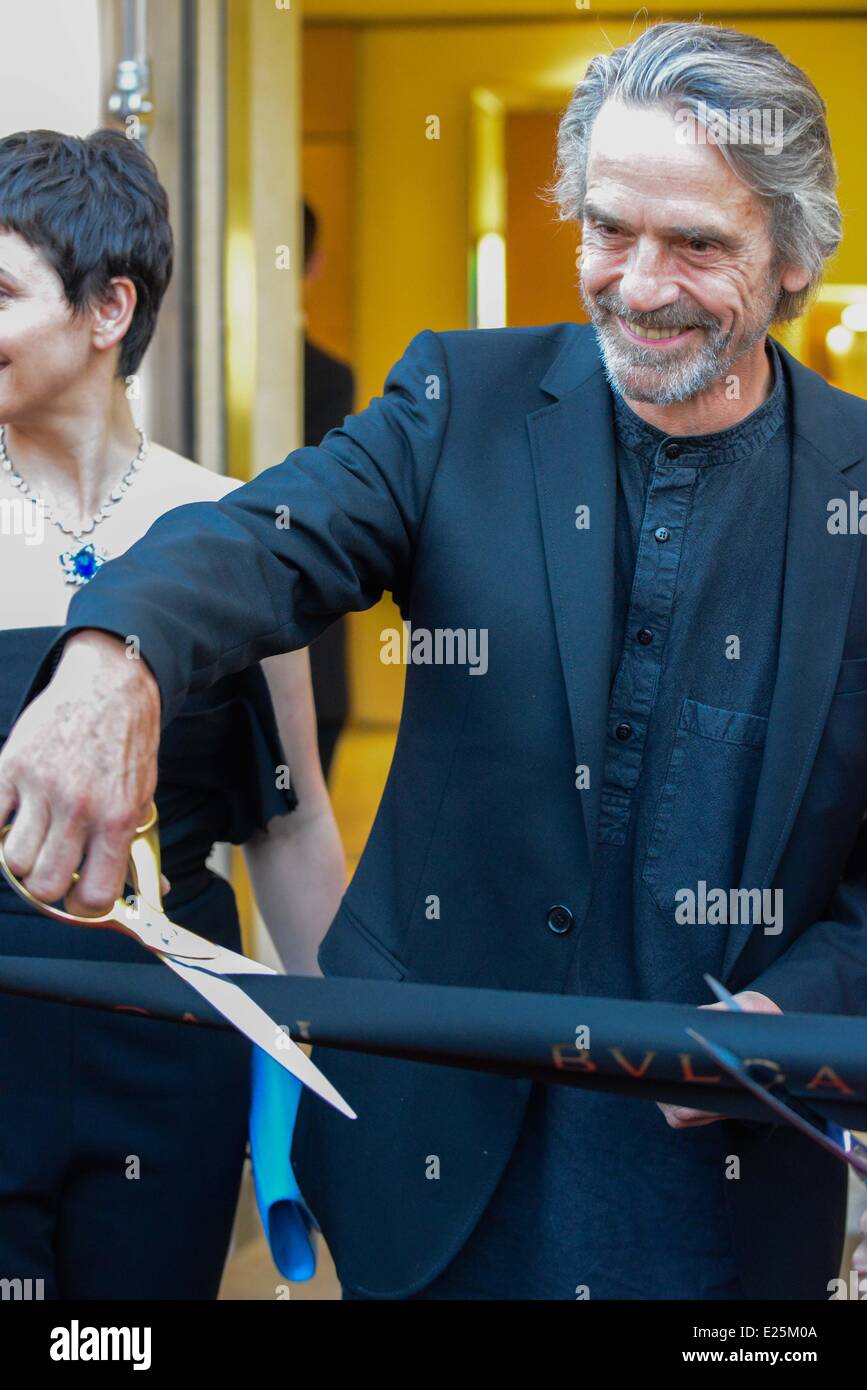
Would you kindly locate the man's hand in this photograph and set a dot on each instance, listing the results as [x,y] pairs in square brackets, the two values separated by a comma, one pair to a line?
[681,1116]
[79,769]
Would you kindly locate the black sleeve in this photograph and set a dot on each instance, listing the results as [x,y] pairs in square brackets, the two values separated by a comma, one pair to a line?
[213,587]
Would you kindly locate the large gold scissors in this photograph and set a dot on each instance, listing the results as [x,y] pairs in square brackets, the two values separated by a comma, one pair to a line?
[198,961]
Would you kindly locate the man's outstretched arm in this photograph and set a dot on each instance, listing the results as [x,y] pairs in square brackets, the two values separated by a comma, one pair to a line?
[211,589]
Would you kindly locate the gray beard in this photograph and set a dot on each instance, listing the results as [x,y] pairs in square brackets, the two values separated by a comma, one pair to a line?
[673,380]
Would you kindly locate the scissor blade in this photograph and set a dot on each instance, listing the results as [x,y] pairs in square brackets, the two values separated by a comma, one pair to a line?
[732,1064]
[151,928]
[723,994]
[255,1024]
[839,1136]
[226,962]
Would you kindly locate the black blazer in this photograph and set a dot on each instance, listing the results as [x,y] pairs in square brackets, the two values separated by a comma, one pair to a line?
[457,490]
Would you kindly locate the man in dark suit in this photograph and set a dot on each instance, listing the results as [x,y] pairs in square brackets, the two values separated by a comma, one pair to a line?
[633,747]
[329,389]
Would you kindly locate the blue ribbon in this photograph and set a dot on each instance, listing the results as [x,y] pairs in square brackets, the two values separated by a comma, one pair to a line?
[286,1219]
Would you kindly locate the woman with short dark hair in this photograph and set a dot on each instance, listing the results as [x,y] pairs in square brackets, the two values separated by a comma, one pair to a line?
[122,1139]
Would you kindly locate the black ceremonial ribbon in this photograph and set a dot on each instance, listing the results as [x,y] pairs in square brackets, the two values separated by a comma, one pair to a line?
[627,1047]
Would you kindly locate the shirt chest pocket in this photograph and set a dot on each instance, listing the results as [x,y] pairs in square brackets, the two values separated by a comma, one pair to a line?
[702,818]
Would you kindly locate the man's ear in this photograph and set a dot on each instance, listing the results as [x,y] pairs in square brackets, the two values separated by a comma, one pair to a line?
[794,278]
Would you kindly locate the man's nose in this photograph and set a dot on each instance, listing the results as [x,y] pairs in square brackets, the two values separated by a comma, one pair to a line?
[647,282]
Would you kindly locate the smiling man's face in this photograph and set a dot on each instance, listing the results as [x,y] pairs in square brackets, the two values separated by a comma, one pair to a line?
[677,265]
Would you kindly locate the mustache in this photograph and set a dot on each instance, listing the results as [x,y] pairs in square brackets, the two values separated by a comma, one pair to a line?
[680,315]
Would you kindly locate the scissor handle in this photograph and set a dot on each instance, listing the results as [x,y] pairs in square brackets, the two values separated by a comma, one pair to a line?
[144,858]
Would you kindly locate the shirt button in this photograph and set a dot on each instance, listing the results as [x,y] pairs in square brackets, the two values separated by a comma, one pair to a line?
[645,636]
[560,919]
[623,732]
[672,451]
[662,534]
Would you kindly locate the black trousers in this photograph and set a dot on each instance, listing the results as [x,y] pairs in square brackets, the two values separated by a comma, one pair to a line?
[122,1142]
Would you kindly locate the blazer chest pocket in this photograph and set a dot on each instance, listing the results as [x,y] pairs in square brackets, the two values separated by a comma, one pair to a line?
[704,811]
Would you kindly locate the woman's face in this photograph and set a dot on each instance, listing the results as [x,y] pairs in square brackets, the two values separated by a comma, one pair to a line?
[45,350]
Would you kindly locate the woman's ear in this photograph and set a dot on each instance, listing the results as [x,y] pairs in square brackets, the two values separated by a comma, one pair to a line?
[112,314]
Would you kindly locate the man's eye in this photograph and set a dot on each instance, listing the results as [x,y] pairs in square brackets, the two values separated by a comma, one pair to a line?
[700,246]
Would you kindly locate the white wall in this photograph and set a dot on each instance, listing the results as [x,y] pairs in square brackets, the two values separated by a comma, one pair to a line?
[50,67]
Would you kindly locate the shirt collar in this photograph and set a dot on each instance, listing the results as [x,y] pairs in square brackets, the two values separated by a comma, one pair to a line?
[722,446]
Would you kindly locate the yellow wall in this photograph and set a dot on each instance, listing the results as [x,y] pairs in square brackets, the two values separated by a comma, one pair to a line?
[567,11]
[541,269]
[262,357]
[328,153]
[412,194]
[328,175]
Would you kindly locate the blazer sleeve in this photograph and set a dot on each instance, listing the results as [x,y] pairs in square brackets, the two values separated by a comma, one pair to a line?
[213,587]
[825,970]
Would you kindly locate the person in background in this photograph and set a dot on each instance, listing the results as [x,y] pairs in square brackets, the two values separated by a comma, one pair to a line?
[329,390]
[122,1139]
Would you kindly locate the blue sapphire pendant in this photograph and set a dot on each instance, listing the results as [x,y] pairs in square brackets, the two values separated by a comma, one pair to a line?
[80,566]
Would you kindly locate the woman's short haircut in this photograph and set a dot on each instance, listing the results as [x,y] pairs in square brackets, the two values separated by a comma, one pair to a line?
[95,208]
[713,75]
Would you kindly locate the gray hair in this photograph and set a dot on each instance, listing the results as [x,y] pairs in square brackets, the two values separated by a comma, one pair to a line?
[705,71]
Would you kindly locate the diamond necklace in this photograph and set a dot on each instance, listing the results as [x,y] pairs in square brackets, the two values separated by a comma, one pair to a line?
[82,564]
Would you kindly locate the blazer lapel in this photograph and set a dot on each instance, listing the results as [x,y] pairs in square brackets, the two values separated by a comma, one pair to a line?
[817,595]
[572,443]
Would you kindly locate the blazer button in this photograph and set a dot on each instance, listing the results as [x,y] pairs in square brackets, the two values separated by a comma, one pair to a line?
[560,919]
